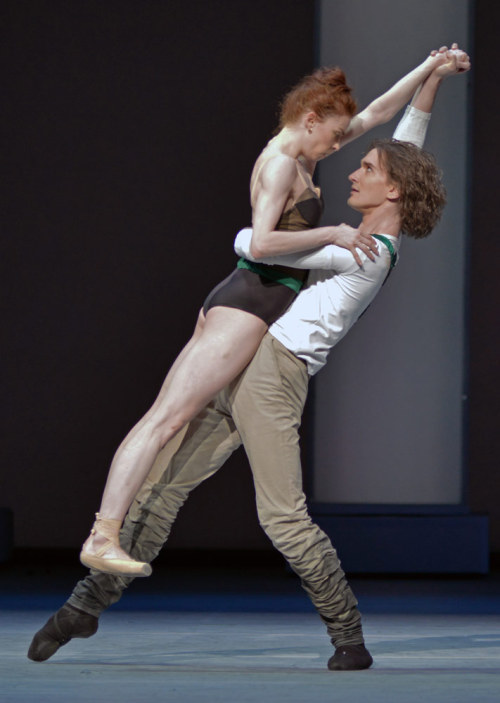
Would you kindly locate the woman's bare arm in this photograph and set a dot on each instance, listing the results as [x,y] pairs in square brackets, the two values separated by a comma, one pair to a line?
[273,191]
[383,108]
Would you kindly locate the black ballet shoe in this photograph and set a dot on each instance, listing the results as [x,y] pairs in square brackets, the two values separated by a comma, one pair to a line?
[350,657]
[59,629]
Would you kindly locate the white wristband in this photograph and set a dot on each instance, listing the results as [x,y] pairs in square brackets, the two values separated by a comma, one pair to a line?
[413,126]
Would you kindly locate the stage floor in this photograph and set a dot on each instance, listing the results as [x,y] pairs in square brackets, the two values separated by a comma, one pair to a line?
[226,635]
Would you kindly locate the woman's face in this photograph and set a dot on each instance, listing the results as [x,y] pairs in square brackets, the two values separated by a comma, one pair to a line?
[324,135]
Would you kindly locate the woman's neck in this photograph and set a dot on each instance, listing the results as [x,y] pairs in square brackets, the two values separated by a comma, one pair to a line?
[288,141]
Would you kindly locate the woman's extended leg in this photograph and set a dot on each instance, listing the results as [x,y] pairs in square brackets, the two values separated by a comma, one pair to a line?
[221,349]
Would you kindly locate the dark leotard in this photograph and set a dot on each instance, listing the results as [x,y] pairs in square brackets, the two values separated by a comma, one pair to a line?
[267,291]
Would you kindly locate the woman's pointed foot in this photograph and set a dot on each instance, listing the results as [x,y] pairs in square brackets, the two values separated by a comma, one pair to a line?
[102,552]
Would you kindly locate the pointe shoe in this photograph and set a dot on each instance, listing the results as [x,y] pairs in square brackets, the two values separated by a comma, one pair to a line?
[60,628]
[103,559]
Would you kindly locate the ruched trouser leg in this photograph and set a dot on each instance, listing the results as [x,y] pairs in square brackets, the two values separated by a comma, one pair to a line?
[267,410]
[209,440]
[262,408]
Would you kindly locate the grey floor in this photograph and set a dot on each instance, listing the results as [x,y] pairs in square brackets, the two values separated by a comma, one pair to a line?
[255,639]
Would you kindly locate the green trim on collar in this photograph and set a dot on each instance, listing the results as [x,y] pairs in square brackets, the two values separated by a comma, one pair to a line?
[390,246]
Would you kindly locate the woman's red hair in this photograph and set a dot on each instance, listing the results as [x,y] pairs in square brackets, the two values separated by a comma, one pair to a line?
[325,92]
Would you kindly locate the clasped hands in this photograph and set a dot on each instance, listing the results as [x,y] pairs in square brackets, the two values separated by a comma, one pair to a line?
[449,61]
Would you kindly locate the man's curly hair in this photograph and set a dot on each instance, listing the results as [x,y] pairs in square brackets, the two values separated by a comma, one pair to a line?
[422,195]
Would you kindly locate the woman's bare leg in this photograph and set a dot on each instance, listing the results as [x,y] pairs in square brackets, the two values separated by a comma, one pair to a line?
[200,324]
[217,353]
[105,532]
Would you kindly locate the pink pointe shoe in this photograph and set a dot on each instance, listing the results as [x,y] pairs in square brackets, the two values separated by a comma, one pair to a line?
[110,558]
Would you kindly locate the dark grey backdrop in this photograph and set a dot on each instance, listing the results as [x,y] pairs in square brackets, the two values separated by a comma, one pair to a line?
[131,128]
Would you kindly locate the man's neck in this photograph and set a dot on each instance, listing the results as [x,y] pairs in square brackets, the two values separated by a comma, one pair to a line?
[381,220]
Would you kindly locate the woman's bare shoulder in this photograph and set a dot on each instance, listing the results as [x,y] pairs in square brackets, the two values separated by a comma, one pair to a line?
[274,166]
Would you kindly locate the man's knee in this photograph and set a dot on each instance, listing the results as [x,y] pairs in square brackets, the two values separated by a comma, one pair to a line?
[285,527]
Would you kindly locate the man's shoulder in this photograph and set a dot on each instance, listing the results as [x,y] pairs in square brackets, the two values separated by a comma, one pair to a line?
[345,267]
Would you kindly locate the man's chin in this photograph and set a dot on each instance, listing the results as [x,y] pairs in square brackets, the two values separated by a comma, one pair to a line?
[352,203]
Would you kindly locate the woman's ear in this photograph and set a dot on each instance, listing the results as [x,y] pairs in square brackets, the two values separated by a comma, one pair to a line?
[310,119]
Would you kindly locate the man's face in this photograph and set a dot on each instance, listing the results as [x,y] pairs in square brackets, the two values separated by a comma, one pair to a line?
[370,184]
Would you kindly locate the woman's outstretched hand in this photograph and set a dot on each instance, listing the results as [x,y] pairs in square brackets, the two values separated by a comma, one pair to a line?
[350,238]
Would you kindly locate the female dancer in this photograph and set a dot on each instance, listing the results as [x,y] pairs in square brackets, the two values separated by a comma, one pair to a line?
[316,120]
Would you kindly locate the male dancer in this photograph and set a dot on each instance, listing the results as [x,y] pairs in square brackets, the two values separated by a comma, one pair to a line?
[262,408]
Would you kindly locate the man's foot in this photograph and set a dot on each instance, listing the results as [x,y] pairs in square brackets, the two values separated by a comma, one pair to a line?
[59,629]
[350,657]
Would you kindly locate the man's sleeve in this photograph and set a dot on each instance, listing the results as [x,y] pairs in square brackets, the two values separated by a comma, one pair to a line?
[413,126]
[328,257]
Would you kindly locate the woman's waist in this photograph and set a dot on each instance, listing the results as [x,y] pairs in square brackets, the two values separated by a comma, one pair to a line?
[299,274]
[286,275]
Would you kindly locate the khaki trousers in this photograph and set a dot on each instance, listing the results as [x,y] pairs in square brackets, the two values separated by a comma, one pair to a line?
[262,409]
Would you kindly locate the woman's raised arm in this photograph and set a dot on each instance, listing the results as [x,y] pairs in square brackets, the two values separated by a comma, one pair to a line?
[383,108]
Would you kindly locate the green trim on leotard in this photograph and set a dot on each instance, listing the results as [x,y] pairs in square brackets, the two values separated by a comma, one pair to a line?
[273,274]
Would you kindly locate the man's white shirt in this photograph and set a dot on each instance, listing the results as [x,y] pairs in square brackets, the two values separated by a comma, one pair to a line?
[338,291]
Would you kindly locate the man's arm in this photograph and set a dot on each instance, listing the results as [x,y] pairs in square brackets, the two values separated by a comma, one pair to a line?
[457,61]
[413,126]
[322,258]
